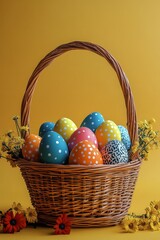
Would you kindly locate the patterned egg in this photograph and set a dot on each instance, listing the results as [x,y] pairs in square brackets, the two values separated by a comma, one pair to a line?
[65,127]
[114,152]
[53,148]
[125,138]
[82,133]
[30,148]
[93,121]
[85,153]
[106,132]
[45,127]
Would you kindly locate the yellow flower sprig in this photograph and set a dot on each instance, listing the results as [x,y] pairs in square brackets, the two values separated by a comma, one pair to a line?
[147,139]
[11,143]
[150,220]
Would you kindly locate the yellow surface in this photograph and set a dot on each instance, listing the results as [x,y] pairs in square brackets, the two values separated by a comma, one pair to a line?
[80,82]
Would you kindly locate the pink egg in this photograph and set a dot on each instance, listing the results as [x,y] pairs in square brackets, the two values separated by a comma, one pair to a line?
[82,133]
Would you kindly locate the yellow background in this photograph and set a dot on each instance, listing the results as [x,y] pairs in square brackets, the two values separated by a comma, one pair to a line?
[80,82]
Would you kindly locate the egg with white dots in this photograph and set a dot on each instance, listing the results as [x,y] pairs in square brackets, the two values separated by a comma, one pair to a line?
[53,149]
[82,133]
[30,148]
[93,120]
[65,127]
[106,132]
[125,136]
[114,152]
[45,127]
[85,153]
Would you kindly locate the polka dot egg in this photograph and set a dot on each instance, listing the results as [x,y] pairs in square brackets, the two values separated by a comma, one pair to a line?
[93,121]
[82,133]
[106,132]
[65,127]
[53,148]
[45,127]
[30,148]
[125,136]
[114,152]
[85,153]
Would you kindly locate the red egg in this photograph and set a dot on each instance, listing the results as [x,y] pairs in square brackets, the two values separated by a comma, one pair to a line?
[82,133]
[30,148]
[85,153]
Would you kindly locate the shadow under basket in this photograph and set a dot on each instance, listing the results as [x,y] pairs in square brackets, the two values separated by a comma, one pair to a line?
[92,196]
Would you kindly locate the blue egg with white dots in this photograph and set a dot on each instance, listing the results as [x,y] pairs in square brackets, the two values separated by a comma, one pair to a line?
[125,138]
[93,121]
[53,148]
[45,127]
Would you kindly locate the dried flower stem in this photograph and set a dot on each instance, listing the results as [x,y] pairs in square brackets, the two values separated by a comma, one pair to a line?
[15,118]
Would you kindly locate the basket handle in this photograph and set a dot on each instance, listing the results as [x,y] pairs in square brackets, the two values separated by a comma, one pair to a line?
[129,101]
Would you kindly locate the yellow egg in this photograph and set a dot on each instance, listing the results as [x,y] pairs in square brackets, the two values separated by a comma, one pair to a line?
[106,132]
[65,127]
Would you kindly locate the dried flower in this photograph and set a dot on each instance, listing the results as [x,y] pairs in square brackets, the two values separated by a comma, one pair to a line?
[11,144]
[31,215]
[148,138]
[17,207]
[63,224]
[13,223]
[16,218]
[143,224]
[155,223]
[153,209]
[130,224]
[148,221]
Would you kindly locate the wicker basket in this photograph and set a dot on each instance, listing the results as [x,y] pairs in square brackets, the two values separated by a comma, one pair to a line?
[93,196]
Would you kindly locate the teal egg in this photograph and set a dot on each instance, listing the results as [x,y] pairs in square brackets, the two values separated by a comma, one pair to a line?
[125,138]
[93,121]
[53,148]
[45,127]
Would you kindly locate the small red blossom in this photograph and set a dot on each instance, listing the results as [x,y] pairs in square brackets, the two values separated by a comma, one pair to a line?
[13,222]
[63,224]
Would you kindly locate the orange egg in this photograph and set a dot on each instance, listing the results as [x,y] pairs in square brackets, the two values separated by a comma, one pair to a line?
[85,153]
[30,148]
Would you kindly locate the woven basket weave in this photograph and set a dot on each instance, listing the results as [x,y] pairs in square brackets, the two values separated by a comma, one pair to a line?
[92,196]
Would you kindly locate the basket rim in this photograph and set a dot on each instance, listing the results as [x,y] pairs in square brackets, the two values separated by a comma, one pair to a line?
[23,163]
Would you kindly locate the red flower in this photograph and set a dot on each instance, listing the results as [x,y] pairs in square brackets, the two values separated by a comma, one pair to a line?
[13,223]
[63,224]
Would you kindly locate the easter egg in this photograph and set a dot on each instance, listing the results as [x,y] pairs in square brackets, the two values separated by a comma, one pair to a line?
[114,152]
[93,121]
[85,153]
[30,148]
[82,133]
[65,127]
[106,132]
[45,127]
[125,138]
[53,148]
